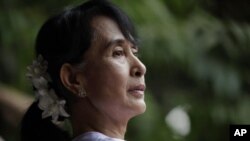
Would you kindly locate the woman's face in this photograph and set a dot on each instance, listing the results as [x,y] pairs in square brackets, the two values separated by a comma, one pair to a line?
[114,76]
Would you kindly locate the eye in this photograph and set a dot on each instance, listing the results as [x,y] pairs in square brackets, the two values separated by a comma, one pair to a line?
[118,52]
[135,52]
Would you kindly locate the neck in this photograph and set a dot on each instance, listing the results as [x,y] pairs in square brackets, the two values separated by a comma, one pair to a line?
[90,119]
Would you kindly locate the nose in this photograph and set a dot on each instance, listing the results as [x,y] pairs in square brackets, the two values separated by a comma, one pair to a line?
[138,69]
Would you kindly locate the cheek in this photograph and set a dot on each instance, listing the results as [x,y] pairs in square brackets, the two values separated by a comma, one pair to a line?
[108,89]
[107,79]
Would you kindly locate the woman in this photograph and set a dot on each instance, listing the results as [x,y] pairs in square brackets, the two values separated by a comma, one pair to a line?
[86,70]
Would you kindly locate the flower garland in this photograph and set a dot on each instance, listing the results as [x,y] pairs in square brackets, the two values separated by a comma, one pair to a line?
[48,101]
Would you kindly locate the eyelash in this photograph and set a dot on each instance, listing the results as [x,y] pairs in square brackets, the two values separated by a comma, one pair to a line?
[121,52]
[118,53]
[136,54]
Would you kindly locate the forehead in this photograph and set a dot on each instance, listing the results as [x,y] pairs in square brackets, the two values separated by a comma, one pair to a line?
[106,29]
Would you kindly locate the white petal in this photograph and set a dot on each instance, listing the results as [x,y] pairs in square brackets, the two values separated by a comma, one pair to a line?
[55,116]
[40,83]
[45,102]
[46,113]
[42,92]
[63,112]
[62,102]
[53,95]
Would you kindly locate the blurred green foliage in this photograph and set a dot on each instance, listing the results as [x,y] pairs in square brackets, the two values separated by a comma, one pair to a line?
[196,53]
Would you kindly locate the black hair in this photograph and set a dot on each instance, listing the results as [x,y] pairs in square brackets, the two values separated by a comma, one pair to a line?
[64,38]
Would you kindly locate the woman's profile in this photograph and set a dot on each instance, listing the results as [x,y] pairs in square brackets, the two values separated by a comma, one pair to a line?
[86,70]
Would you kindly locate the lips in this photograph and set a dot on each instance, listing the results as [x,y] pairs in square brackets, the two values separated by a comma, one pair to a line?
[137,91]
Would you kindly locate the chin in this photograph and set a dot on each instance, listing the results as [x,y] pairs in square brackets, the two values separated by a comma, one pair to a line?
[143,108]
[140,108]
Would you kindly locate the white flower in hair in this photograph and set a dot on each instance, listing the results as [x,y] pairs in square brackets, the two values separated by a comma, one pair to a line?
[38,68]
[37,73]
[48,101]
[52,106]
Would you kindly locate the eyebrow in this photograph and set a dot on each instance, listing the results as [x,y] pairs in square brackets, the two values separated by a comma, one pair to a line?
[119,42]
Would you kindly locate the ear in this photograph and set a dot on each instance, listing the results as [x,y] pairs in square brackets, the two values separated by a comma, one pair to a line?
[71,78]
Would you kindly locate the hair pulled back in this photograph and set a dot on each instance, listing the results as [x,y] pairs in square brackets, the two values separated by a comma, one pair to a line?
[65,38]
